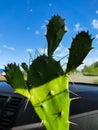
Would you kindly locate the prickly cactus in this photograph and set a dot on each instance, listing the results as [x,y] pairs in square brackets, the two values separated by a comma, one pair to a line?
[80,47]
[48,86]
[51,101]
[15,77]
[55,32]
[43,69]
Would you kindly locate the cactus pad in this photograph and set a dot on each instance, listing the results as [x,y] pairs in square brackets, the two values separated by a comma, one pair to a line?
[55,32]
[15,78]
[43,69]
[80,47]
[51,102]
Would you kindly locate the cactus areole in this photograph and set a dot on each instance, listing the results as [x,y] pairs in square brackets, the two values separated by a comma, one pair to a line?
[47,84]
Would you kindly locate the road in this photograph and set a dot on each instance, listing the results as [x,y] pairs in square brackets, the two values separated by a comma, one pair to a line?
[79,77]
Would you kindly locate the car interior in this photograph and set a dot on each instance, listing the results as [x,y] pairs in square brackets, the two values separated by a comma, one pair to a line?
[35,29]
[17,113]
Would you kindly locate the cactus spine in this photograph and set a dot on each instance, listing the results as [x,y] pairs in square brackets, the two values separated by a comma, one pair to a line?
[47,82]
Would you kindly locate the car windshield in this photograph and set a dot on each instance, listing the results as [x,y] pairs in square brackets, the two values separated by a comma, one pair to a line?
[23,33]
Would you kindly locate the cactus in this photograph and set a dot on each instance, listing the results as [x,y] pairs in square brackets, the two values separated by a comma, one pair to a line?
[47,84]
[80,47]
[15,77]
[55,32]
[42,70]
[51,101]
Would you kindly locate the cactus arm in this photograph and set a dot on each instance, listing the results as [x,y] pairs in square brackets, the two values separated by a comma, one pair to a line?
[15,78]
[80,47]
[42,70]
[55,33]
[48,103]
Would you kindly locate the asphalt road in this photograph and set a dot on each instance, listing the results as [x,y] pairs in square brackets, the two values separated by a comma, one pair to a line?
[79,77]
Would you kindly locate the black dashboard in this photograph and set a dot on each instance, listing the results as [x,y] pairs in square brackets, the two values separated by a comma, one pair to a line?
[18,114]
[15,110]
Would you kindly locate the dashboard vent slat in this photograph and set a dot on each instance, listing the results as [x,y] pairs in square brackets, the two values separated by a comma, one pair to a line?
[9,111]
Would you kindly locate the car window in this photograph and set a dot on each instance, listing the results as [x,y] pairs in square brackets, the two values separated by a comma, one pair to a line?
[23,28]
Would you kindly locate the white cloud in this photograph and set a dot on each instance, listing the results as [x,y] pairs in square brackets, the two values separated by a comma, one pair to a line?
[66,28]
[29,50]
[77,27]
[96,36]
[61,51]
[88,61]
[61,54]
[96,11]
[95,23]
[37,32]
[90,58]
[9,47]
[42,50]
[43,26]
[46,21]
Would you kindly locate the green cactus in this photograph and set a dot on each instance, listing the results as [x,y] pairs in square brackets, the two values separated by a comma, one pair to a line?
[48,86]
[48,103]
[80,47]
[15,77]
[42,70]
[55,32]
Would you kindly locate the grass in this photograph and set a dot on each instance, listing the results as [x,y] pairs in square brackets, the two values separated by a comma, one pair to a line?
[2,78]
[95,81]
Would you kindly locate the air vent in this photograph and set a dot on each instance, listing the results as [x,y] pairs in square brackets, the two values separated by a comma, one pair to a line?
[2,102]
[9,112]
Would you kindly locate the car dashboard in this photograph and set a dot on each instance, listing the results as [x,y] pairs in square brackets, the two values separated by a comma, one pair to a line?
[17,113]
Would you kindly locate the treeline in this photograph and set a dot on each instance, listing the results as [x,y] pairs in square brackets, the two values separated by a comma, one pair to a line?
[91,70]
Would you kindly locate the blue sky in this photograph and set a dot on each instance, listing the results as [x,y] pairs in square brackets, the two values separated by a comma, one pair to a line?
[23,27]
